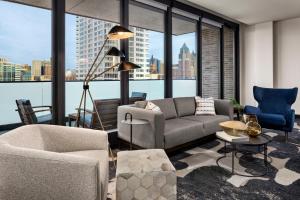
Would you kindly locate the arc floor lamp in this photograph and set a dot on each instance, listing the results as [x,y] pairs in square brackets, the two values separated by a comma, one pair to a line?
[116,33]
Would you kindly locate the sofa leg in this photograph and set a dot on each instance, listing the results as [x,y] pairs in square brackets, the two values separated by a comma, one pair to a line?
[286,136]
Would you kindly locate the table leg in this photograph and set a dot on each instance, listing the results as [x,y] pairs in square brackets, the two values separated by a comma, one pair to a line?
[130,136]
[69,120]
[225,148]
[266,154]
[232,157]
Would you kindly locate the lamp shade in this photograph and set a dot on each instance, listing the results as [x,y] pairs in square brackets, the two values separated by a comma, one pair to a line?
[115,52]
[119,33]
[126,66]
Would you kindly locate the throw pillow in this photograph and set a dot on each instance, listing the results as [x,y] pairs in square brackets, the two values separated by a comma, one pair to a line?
[152,106]
[205,106]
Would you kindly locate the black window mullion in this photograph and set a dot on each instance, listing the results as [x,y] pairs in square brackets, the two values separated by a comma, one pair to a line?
[237,62]
[222,62]
[168,53]
[58,62]
[124,75]
[199,56]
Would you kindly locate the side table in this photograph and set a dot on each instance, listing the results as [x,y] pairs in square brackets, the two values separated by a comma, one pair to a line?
[130,121]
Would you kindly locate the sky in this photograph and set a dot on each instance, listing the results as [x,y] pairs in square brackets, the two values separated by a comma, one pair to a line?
[25,35]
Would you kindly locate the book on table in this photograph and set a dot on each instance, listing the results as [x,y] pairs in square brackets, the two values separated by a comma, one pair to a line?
[230,138]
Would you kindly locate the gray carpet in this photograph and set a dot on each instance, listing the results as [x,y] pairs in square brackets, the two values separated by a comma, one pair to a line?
[200,178]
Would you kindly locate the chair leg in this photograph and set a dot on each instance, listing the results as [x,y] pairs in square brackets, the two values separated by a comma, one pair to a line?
[286,136]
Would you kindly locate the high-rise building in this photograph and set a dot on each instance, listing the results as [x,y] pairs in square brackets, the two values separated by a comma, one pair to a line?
[26,73]
[41,70]
[186,68]
[9,71]
[138,53]
[90,36]
[156,68]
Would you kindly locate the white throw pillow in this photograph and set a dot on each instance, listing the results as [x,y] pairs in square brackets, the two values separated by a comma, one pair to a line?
[152,106]
[205,106]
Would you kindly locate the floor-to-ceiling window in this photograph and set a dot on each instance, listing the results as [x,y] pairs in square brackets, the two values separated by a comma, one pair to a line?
[211,75]
[25,57]
[146,49]
[87,26]
[229,69]
[184,61]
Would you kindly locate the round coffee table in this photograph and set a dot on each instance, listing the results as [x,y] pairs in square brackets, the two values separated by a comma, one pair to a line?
[259,141]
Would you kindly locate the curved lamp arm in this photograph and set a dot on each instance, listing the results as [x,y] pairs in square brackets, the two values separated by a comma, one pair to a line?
[89,72]
[98,75]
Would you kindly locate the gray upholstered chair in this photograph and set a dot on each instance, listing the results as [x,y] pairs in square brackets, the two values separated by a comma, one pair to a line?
[108,110]
[53,162]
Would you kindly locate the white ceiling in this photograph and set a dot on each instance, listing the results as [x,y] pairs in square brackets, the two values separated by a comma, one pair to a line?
[253,11]
[110,10]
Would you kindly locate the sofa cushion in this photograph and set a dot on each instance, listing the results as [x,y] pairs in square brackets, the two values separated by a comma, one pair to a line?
[102,157]
[167,106]
[180,131]
[185,106]
[152,106]
[274,119]
[210,122]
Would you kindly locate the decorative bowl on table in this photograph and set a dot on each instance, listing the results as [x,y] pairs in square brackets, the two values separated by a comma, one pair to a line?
[253,129]
[234,128]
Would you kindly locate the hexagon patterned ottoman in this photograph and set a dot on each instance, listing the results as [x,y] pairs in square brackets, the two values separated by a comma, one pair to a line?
[145,174]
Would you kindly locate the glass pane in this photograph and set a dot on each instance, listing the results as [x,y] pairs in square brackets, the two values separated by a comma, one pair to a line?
[84,39]
[210,61]
[25,54]
[184,69]
[146,49]
[229,88]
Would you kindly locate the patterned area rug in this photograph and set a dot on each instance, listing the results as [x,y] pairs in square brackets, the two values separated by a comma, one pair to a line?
[199,177]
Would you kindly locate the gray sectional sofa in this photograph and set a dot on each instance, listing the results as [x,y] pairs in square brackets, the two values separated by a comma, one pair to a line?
[177,124]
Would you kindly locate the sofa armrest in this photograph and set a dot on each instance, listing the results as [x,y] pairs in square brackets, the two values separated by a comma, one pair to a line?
[224,107]
[156,120]
[66,139]
[35,174]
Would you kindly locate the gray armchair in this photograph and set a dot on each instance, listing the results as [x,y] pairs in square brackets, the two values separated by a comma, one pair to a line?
[53,162]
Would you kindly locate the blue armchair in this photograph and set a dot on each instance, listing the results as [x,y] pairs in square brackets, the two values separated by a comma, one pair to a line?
[274,108]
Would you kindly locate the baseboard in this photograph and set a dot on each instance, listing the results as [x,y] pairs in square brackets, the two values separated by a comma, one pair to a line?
[297,116]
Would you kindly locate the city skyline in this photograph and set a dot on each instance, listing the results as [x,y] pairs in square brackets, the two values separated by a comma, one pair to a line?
[21,45]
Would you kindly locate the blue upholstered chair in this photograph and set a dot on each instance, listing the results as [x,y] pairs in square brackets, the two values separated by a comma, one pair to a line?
[274,108]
